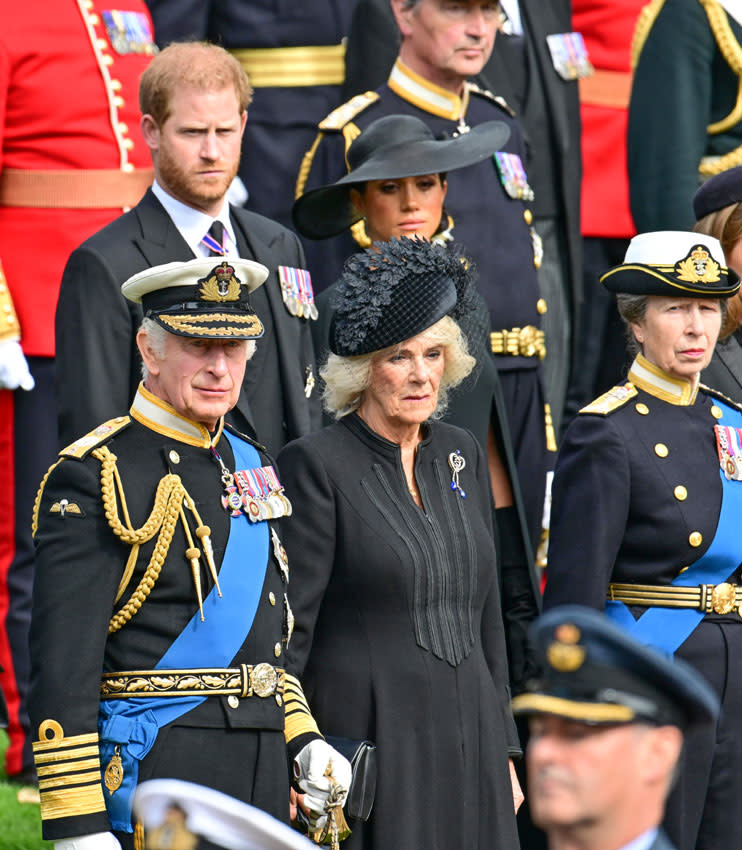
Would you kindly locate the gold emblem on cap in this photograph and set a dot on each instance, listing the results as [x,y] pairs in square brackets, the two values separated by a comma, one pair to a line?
[220,285]
[716,411]
[565,657]
[698,267]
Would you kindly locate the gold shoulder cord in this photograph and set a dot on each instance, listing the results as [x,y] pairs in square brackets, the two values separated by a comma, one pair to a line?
[170,497]
[644,24]
[732,53]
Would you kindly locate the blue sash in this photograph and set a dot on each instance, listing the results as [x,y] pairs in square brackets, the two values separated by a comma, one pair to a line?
[133,724]
[667,628]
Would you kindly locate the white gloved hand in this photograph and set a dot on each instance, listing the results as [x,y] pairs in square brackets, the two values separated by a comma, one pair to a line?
[14,372]
[309,769]
[96,841]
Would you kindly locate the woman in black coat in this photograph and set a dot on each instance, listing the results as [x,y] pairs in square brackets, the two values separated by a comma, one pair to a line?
[396,187]
[395,592]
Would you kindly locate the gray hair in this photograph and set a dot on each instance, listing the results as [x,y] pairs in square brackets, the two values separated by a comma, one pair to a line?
[347,378]
[157,340]
[633,308]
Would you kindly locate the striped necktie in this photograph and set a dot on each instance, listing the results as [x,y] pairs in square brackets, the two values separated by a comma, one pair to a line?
[214,240]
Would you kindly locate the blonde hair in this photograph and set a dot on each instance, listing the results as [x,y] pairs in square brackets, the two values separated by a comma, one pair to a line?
[347,378]
[193,64]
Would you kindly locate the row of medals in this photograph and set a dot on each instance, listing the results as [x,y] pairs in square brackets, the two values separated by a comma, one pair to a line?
[271,506]
[302,309]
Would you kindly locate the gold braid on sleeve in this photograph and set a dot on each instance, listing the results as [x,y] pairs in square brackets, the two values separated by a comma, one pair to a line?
[732,52]
[170,498]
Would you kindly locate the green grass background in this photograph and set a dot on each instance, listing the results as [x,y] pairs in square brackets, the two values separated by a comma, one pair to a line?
[20,824]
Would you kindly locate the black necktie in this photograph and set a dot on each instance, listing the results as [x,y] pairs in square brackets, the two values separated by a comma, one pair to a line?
[216,232]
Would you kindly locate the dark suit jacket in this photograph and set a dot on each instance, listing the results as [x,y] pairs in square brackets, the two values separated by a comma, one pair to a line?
[373,45]
[97,359]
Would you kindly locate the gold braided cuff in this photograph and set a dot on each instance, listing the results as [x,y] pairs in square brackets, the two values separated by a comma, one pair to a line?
[721,598]
[519,342]
[10,327]
[69,772]
[299,718]
[281,67]
[247,680]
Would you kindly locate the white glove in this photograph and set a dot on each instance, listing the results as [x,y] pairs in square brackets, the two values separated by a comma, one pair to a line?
[14,372]
[309,769]
[98,841]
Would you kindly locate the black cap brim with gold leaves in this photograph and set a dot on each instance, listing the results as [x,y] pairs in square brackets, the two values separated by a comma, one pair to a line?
[206,298]
[674,263]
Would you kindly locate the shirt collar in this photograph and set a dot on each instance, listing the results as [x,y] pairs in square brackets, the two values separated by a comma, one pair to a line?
[192,224]
[655,381]
[643,842]
[159,416]
[415,89]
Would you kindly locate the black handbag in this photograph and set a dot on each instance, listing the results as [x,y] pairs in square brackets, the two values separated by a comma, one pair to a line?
[362,758]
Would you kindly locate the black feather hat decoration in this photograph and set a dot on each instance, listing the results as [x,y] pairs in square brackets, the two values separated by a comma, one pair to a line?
[396,290]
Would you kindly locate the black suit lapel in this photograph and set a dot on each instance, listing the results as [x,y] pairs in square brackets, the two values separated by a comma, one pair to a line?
[160,240]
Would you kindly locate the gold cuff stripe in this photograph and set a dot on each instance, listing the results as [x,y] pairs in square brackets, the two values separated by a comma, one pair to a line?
[270,67]
[60,743]
[294,702]
[587,712]
[62,781]
[65,755]
[298,724]
[72,802]
[69,767]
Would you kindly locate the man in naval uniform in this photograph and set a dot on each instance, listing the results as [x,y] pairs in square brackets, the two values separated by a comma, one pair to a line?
[443,44]
[607,721]
[160,611]
[685,117]
[194,100]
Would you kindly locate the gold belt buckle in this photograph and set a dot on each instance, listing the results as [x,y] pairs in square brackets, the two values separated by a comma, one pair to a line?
[723,598]
[263,679]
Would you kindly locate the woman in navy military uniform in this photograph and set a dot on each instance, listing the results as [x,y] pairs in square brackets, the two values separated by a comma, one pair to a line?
[646,501]
[395,591]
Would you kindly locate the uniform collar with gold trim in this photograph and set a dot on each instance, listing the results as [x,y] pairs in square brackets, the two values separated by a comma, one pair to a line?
[426,95]
[159,416]
[655,381]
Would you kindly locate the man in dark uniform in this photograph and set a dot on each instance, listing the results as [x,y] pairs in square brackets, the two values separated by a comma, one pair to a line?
[160,611]
[193,99]
[607,720]
[442,45]
[293,54]
[534,66]
[685,123]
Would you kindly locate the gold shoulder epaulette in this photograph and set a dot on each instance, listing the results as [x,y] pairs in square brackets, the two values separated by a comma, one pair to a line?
[495,98]
[339,117]
[644,24]
[608,402]
[82,447]
[716,394]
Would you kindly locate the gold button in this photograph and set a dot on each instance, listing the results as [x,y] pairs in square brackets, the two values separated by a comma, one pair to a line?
[541,307]
[94,19]
[695,538]
[118,101]
[277,650]
[528,216]
[174,456]
[11,320]
[127,166]
[642,408]
[681,494]
[272,598]
[116,85]
[101,43]
[233,701]
[107,59]
[128,144]
[123,128]
[716,411]
[661,450]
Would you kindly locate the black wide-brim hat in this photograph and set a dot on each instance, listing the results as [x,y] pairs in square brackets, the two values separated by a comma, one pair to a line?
[391,148]
[205,298]
[675,263]
[595,673]
[721,190]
